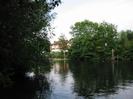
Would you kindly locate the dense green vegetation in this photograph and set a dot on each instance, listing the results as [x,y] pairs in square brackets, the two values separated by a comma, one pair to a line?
[63,44]
[100,79]
[57,54]
[100,41]
[23,36]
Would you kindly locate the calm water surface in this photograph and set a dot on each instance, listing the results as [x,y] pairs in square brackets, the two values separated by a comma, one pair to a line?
[74,80]
[90,81]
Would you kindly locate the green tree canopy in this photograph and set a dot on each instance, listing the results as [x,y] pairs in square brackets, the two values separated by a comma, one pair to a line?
[93,40]
[126,44]
[63,42]
[23,34]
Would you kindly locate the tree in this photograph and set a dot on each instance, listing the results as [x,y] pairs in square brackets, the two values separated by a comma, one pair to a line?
[126,44]
[93,41]
[63,43]
[23,34]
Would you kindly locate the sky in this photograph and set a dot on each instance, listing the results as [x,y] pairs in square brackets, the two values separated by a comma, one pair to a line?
[117,12]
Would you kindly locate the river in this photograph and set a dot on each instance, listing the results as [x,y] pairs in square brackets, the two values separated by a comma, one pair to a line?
[74,80]
[90,81]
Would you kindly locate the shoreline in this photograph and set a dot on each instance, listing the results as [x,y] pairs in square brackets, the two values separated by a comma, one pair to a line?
[59,59]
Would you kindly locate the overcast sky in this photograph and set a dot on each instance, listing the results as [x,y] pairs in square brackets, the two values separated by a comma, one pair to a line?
[118,12]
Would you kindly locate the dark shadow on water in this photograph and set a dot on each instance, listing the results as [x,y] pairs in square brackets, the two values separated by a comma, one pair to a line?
[74,80]
[28,89]
[36,87]
[100,79]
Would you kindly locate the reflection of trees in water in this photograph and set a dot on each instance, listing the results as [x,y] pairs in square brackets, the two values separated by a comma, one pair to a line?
[43,85]
[101,79]
[62,68]
[27,89]
[44,90]
[37,87]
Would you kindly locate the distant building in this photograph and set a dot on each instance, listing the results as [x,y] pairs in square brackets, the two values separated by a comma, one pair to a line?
[55,47]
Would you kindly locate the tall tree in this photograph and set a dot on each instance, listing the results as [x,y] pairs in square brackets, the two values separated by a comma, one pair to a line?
[126,44]
[63,43]
[23,33]
[93,40]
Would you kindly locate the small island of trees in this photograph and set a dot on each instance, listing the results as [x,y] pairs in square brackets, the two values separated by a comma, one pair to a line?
[100,42]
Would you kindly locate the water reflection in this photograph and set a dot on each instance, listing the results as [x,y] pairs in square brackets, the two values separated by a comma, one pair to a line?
[96,80]
[62,69]
[90,81]
[70,80]
[34,85]
[61,81]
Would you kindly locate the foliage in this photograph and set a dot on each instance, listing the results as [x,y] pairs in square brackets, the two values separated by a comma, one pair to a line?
[126,44]
[93,41]
[23,34]
[63,42]
[57,54]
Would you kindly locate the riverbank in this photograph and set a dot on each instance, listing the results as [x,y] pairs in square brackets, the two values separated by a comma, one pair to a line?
[58,59]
